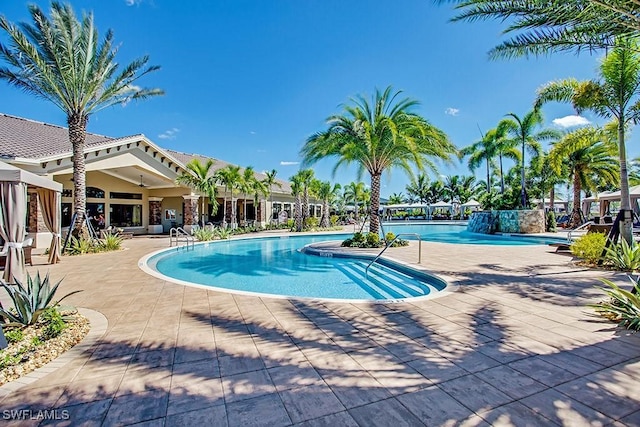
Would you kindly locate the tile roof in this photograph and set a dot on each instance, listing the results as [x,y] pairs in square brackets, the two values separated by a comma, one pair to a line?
[35,140]
[24,138]
[220,164]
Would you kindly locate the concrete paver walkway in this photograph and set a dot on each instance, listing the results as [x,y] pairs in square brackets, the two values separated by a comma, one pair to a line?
[515,345]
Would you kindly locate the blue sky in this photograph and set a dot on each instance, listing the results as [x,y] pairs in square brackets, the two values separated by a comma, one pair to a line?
[248,81]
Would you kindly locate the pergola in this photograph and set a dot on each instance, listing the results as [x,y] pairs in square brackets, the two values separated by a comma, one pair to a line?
[13,216]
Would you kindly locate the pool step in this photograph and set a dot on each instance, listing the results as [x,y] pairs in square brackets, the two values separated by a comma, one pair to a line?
[385,282]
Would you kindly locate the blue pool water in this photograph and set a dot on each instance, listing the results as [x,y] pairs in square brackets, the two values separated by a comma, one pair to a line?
[457,233]
[275,266]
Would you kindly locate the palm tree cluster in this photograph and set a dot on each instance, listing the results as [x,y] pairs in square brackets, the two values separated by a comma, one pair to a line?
[304,187]
[203,178]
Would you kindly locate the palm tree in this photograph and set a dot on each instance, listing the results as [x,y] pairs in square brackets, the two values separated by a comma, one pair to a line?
[505,148]
[554,25]
[62,60]
[396,199]
[353,193]
[202,179]
[589,157]
[615,95]
[296,192]
[230,177]
[521,130]
[327,193]
[270,181]
[246,186]
[484,150]
[418,187]
[378,136]
[306,179]
[259,188]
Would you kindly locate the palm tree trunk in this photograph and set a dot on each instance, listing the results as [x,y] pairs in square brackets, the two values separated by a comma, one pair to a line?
[501,176]
[626,225]
[488,179]
[271,202]
[325,214]
[552,198]
[77,131]
[298,214]
[523,192]
[305,206]
[374,221]
[576,219]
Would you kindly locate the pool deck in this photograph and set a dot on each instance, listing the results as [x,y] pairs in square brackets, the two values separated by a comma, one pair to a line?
[514,345]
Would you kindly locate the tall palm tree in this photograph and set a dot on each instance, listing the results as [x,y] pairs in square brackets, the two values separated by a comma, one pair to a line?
[396,199]
[378,136]
[259,189]
[270,180]
[542,26]
[483,150]
[246,186]
[615,95]
[353,193]
[327,194]
[306,179]
[522,131]
[418,187]
[505,148]
[589,157]
[61,59]
[230,177]
[296,192]
[202,179]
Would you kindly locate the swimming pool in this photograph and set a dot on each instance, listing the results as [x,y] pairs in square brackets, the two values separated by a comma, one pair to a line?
[275,266]
[458,234]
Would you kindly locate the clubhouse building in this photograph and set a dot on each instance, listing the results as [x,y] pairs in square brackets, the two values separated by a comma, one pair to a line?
[130,181]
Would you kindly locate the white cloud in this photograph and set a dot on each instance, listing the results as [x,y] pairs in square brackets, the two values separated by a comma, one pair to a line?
[132,2]
[169,134]
[452,111]
[283,163]
[252,132]
[571,121]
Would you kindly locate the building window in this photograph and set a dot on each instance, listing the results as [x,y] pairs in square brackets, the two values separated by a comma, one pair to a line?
[66,214]
[125,215]
[127,196]
[96,193]
[67,192]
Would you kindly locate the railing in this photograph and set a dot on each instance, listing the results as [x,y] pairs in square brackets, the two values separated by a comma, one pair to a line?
[583,229]
[388,245]
[177,234]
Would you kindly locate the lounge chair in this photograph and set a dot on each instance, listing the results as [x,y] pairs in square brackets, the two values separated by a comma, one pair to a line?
[586,228]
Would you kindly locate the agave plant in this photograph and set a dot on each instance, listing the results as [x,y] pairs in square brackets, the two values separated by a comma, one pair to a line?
[205,234]
[110,242]
[623,306]
[80,246]
[30,301]
[623,256]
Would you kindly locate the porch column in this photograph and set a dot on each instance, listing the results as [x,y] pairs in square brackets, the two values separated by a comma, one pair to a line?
[155,215]
[190,211]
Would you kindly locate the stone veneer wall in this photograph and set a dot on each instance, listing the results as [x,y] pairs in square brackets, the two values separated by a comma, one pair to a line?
[520,221]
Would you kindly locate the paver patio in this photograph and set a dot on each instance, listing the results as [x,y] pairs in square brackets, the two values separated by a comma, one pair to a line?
[515,345]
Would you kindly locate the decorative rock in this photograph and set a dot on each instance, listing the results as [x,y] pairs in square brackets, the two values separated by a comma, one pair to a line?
[516,221]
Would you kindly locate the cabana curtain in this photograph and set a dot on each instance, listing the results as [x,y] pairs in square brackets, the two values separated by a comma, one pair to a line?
[13,212]
[50,203]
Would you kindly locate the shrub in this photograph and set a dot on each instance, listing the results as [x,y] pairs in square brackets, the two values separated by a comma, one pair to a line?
[589,247]
[222,233]
[54,323]
[623,306]
[358,237]
[333,220]
[110,242]
[14,335]
[373,240]
[347,243]
[551,221]
[204,234]
[623,256]
[388,238]
[311,222]
[30,301]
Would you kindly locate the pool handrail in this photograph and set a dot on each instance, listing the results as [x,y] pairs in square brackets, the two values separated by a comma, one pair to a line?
[176,233]
[388,245]
[584,228]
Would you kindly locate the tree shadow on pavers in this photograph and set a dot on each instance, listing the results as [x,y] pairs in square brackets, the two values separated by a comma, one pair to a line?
[379,352]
